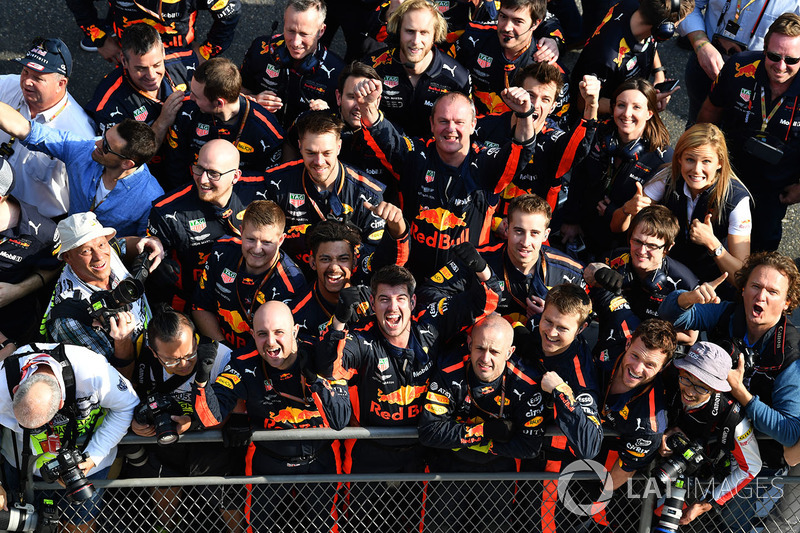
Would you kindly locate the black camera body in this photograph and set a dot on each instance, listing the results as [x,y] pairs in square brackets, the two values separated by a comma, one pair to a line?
[759,146]
[157,410]
[21,517]
[686,459]
[106,304]
[65,466]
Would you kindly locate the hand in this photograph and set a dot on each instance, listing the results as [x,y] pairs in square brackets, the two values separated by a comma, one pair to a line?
[121,326]
[203,370]
[306,367]
[693,511]
[736,377]
[318,105]
[518,100]
[546,50]
[143,430]
[570,232]
[662,99]
[590,90]
[86,466]
[502,230]
[170,108]
[638,202]
[3,499]
[9,292]
[663,449]
[790,194]
[237,431]
[110,51]
[367,92]
[702,233]
[182,423]
[468,255]
[602,205]
[550,380]
[395,223]
[609,279]
[350,298]
[710,60]
[497,429]
[156,250]
[269,100]
[535,306]
[706,293]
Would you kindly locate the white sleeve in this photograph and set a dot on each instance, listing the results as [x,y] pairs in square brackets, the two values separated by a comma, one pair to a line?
[740,221]
[657,187]
[746,463]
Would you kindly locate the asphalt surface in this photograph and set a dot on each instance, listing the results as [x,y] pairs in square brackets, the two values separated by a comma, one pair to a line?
[20,22]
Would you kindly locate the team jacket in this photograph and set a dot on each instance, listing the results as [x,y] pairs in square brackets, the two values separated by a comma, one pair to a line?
[738,90]
[575,411]
[189,227]
[726,433]
[446,205]
[254,131]
[357,153]
[479,50]
[312,311]
[116,98]
[555,153]
[613,54]
[552,269]
[274,399]
[174,20]
[226,288]
[598,175]
[390,382]
[457,404]
[409,106]
[289,187]
[646,295]
[267,66]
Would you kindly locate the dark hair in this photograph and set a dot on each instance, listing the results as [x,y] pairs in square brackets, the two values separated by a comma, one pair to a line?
[655,131]
[357,69]
[319,122]
[221,79]
[537,8]
[783,264]
[657,334]
[333,231]
[542,72]
[139,39]
[657,221]
[393,276]
[787,24]
[304,5]
[140,141]
[262,213]
[656,11]
[166,324]
[570,299]
[530,204]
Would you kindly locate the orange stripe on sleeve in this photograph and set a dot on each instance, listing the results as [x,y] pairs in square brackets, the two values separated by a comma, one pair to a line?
[108,94]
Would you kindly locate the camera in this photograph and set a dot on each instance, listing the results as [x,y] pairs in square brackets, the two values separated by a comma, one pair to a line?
[686,459]
[65,466]
[106,304]
[157,410]
[24,518]
[672,510]
[769,151]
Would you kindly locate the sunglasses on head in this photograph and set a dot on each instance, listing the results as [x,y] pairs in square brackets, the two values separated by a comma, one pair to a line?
[776,58]
[54,47]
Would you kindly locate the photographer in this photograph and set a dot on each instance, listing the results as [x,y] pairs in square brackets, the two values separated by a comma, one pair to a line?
[164,375]
[93,274]
[65,402]
[706,414]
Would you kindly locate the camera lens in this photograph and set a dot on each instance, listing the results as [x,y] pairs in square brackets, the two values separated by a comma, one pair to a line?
[17,520]
[165,429]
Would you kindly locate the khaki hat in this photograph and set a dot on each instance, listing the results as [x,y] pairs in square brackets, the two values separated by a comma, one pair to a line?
[80,228]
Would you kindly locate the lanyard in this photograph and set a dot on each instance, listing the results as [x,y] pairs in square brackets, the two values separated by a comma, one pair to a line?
[740,9]
[645,390]
[316,297]
[311,200]
[524,305]
[764,117]
[241,124]
[502,392]
[270,387]
[249,312]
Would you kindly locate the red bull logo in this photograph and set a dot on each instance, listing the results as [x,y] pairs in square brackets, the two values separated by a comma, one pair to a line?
[297,231]
[747,71]
[160,28]
[443,241]
[382,59]
[603,22]
[441,219]
[492,102]
[234,320]
[402,396]
[95,33]
[293,416]
[624,49]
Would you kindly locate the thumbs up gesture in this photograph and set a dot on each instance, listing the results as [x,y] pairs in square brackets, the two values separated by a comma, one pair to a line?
[702,233]
[639,201]
[706,293]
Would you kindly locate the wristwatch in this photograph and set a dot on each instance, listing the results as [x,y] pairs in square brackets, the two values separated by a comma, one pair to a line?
[716,252]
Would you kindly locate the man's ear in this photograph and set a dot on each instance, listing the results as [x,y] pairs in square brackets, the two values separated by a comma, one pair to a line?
[510,352]
[583,327]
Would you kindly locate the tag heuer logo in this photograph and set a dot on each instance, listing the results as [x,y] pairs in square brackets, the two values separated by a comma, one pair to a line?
[383,364]
[201,130]
[484,61]
[391,81]
[140,114]
[197,225]
[443,5]
[228,276]
[429,176]
[271,72]
[744,94]
[297,199]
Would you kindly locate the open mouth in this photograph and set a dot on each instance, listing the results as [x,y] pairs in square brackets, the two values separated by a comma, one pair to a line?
[333,279]
[757,310]
[632,376]
[392,320]
[273,353]
[98,267]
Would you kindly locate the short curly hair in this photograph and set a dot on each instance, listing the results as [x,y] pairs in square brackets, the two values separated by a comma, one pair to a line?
[783,264]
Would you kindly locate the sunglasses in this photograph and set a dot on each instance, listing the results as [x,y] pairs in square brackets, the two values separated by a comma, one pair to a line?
[777,58]
[107,149]
[54,47]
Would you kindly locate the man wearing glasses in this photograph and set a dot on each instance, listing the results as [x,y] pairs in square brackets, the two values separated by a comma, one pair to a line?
[190,219]
[40,94]
[755,102]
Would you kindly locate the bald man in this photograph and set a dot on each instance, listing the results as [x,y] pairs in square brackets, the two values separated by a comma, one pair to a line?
[190,219]
[284,393]
[482,412]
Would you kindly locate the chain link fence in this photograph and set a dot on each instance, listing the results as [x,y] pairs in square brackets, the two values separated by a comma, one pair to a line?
[382,503]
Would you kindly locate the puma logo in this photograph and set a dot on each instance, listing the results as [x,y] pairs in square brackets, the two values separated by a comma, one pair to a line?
[262,194]
[263,145]
[35,227]
[115,112]
[473,40]
[451,69]
[188,115]
[328,71]
[250,371]
[217,255]
[277,184]
[173,216]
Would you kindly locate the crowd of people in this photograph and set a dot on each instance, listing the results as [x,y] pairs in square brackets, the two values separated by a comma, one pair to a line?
[415,235]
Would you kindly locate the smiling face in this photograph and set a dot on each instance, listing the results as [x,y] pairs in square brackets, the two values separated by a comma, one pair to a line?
[348,107]
[489,349]
[416,35]
[393,306]
[198,96]
[765,297]
[320,153]
[275,334]
[690,396]
[182,349]
[543,99]
[647,251]
[41,90]
[145,71]
[526,234]
[302,31]
[779,72]
[334,262]
[260,246]
[452,124]
[91,262]
[515,29]
[639,366]
[558,330]
[699,168]
[221,156]
[631,115]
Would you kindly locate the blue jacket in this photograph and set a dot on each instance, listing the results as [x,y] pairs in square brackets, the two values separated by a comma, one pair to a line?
[126,207]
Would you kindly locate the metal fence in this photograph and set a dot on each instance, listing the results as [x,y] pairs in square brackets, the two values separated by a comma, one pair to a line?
[381,503]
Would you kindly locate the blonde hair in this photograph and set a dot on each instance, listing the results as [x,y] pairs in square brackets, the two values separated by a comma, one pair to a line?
[439,23]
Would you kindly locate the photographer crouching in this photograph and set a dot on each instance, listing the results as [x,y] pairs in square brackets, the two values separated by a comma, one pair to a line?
[174,358]
[709,437]
[97,303]
[66,410]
